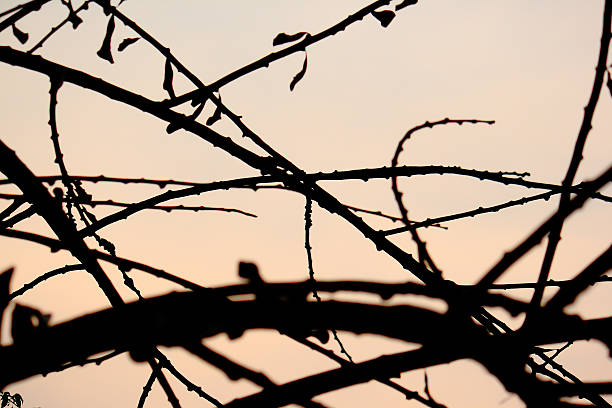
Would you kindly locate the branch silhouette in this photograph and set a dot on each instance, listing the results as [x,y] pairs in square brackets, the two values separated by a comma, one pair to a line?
[518,355]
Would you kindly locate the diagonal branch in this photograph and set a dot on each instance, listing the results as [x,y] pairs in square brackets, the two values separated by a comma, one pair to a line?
[264,62]
[585,127]
[50,209]
[23,11]
[539,233]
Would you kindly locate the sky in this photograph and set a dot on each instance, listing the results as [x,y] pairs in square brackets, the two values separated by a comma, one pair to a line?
[528,66]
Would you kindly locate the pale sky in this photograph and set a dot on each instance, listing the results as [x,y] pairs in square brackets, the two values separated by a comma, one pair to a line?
[527,65]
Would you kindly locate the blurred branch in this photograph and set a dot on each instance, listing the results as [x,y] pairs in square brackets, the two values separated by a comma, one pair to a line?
[173,320]
[179,318]
[591,274]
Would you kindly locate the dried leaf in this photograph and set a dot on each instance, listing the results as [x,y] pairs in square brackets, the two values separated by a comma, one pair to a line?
[106,6]
[168,76]
[427,392]
[105,50]
[299,75]
[284,38]
[385,17]
[20,35]
[107,245]
[198,100]
[405,3]
[215,116]
[75,20]
[127,42]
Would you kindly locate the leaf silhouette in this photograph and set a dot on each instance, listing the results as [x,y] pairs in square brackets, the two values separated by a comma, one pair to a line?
[127,42]
[168,77]
[106,6]
[214,118]
[299,75]
[405,3]
[284,38]
[385,17]
[107,245]
[609,83]
[75,20]
[105,50]
[20,35]
[198,100]
[18,400]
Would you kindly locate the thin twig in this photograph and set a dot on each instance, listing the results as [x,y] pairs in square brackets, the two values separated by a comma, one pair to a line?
[96,361]
[44,277]
[264,62]
[23,11]
[311,274]
[423,253]
[165,196]
[71,16]
[168,208]
[149,385]
[538,234]
[165,363]
[472,213]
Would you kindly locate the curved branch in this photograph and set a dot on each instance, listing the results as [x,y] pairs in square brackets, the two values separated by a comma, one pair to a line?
[180,318]
[423,253]
[44,277]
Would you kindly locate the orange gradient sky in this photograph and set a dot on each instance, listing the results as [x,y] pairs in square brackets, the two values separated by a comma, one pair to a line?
[527,65]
